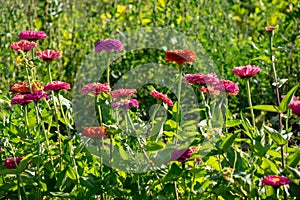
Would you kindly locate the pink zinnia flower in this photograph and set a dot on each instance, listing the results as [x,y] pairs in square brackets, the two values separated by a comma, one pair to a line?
[11,163]
[120,93]
[201,79]
[227,86]
[162,97]
[181,155]
[126,104]
[95,88]
[295,106]
[95,132]
[275,181]
[57,85]
[32,35]
[28,98]
[181,56]
[108,45]
[48,55]
[246,71]
[23,45]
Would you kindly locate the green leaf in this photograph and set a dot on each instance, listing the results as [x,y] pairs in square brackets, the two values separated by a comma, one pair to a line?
[8,171]
[287,99]
[293,159]
[173,174]
[276,136]
[24,162]
[155,146]
[71,173]
[263,58]
[295,172]
[269,108]
[247,126]
[227,142]
[233,123]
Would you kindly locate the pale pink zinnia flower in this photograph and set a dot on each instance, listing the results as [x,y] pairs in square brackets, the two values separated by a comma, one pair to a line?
[123,92]
[57,85]
[11,163]
[246,71]
[275,181]
[108,45]
[48,55]
[270,28]
[126,104]
[23,45]
[32,35]
[162,97]
[201,79]
[95,88]
[227,86]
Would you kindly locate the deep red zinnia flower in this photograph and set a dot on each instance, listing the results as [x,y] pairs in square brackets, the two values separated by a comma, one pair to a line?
[227,86]
[48,55]
[201,79]
[126,104]
[32,35]
[162,97]
[11,163]
[275,181]
[57,85]
[95,88]
[181,56]
[108,45]
[23,45]
[123,92]
[246,71]
[95,132]
[23,87]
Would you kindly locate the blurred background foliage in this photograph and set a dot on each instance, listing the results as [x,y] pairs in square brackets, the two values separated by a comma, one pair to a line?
[232,32]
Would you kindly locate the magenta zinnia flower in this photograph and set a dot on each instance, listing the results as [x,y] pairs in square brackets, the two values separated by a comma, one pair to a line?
[57,85]
[126,104]
[48,55]
[32,35]
[28,98]
[23,45]
[246,71]
[275,181]
[295,106]
[162,97]
[108,45]
[227,86]
[201,79]
[123,92]
[11,163]
[181,56]
[95,88]
[181,155]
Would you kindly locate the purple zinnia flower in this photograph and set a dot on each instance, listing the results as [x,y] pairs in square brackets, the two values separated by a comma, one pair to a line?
[126,104]
[108,45]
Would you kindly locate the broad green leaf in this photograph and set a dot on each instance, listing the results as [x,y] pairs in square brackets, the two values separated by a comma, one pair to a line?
[227,142]
[24,162]
[294,159]
[233,123]
[155,146]
[264,58]
[287,99]
[269,108]
[71,173]
[276,136]
[247,126]
[173,174]
[295,171]
[8,171]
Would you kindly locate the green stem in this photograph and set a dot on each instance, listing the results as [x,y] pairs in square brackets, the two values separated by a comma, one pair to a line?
[26,118]
[49,72]
[250,102]
[99,110]
[19,187]
[63,114]
[108,69]
[178,103]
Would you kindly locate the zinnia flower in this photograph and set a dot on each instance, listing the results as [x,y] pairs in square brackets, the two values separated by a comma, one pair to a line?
[275,181]
[227,86]
[295,106]
[11,163]
[181,155]
[162,97]
[32,35]
[28,98]
[246,71]
[95,88]
[57,85]
[201,79]
[95,132]
[48,55]
[23,45]
[23,87]
[120,93]
[181,56]
[270,28]
[108,45]
[126,104]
